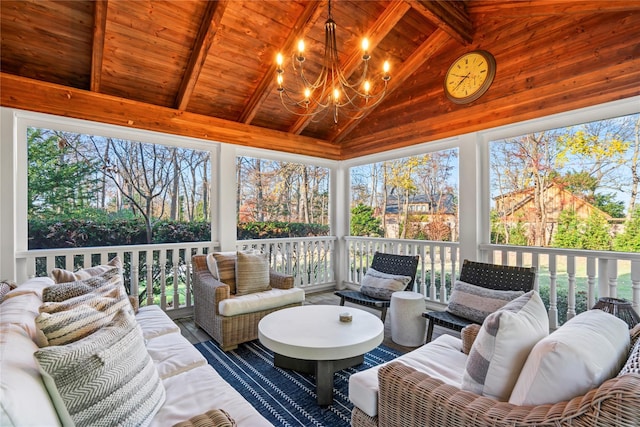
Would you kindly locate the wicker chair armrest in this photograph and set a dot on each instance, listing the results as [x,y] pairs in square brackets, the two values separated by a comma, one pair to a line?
[280,280]
[204,284]
[409,397]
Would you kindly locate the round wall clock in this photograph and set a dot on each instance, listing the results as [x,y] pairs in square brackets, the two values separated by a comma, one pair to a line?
[469,76]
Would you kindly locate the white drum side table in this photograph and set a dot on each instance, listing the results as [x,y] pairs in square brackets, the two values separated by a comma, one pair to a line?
[408,327]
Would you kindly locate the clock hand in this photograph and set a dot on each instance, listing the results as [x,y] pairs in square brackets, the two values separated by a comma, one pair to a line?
[461,81]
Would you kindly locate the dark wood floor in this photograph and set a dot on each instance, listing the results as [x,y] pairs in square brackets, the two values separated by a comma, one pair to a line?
[195,335]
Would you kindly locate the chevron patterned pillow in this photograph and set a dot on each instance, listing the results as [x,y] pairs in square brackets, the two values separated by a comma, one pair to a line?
[107,378]
[60,292]
[82,317]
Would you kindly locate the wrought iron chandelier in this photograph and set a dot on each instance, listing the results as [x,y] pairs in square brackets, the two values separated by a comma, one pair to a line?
[331,92]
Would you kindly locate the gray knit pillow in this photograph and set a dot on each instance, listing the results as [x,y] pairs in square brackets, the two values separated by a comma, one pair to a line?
[475,302]
[107,378]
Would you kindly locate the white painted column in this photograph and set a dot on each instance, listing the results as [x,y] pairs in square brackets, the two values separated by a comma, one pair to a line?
[339,216]
[474,196]
[225,201]
[7,189]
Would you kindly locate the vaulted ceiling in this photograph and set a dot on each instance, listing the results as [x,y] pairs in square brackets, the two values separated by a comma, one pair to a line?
[206,69]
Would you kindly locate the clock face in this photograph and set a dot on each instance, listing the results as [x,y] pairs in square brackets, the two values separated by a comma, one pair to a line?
[469,76]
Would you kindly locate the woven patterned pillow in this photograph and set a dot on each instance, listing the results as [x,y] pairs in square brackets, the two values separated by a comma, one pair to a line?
[377,284]
[60,292]
[633,362]
[475,302]
[78,320]
[212,418]
[502,346]
[222,266]
[64,276]
[107,378]
[252,273]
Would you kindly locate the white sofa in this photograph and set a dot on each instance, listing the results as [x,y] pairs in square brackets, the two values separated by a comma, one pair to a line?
[192,387]
[587,373]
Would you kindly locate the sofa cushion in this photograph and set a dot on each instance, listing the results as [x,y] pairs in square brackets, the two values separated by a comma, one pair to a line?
[173,354]
[21,310]
[212,418]
[24,400]
[580,355]
[64,276]
[197,390]
[33,286]
[60,327]
[106,378]
[251,303]
[377,284]
[442,358]
[154,322]
[222,266]
[502,346]
[109,279]
[475,302]
[252,273]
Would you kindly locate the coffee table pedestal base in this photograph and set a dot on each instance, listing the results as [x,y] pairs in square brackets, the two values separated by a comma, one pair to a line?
[322,369]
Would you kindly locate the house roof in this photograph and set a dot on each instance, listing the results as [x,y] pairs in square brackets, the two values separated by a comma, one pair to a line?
[206,69]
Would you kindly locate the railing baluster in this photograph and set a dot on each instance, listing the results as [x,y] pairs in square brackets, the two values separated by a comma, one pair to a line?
[553,295]
[613,278]
[591,281]
[571,294]
[175,264]
[635,285]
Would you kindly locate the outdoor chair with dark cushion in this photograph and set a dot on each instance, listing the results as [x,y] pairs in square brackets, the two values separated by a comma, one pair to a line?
[490,276]
[402,265]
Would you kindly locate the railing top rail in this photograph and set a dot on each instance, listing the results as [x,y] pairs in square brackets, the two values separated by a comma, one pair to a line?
[119,248]
[564,252]
[404,241]
[285,239]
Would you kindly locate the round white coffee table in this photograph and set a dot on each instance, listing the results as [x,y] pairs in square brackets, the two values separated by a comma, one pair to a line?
[312,339]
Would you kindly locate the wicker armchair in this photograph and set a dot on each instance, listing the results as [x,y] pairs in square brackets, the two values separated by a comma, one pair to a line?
[491,276]
[408,397]
[405,265]
[228,331]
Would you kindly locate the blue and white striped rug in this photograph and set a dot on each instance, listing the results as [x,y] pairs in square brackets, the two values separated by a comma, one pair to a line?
[284,397]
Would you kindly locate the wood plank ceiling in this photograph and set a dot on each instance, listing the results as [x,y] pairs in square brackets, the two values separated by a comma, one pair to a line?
[206,69]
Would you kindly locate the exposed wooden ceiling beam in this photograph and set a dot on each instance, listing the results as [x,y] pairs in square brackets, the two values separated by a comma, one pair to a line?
[204,40]
[34,95]
[99,26]
[528,8]
[376,34]
[426,50]
[448,16]
[302,26]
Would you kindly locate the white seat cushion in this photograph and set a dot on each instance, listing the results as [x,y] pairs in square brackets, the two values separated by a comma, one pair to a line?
[199,390]
[586,351]
[173,354]
[259,301]
[442,358]
[154,322]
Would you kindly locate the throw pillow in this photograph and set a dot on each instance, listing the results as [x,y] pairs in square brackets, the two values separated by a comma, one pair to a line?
[212,418]
[64,276]
[252,273]
[222,266]
[579,356]
[377,284]
[60,327]
[475,303]
[108,280]
[107,378]
[502,346]
[469,334]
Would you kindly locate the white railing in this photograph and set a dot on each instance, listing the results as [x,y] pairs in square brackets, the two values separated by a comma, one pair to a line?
[170,265]
[309,259]
[575,278]
[438,262]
